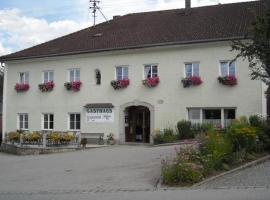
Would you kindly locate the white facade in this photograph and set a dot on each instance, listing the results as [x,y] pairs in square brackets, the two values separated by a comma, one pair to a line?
[168,102]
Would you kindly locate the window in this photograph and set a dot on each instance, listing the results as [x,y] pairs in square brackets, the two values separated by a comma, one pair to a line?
[23,121]
[227,68]
[150,71]
[74,75]
[192,69]
[24,77]
[98,76]
[122,73]
[48,121]
[47,76]
[74,121]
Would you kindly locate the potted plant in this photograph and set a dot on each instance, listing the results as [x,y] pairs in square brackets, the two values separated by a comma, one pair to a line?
[110,139]
[46,87]
[21,87]
[191,81]
[227,80]
[84,142]
[151,82]
[119,84]
[74,86]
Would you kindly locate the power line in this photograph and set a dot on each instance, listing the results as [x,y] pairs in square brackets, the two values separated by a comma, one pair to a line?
[94,7]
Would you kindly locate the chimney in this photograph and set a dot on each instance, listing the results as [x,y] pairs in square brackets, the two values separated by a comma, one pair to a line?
[188,4]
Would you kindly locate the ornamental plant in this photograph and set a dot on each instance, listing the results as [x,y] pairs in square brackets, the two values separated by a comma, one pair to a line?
[45,87]
[13,136]
[32,137]
[192,80]
[151,82]
[227,80]
[118,84]
[74,86]
[21,87]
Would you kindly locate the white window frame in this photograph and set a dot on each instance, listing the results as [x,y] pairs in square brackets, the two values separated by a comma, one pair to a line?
[49,76]
[23,122]
[228,67]
[151,70]
[192,68]
[74,74]
[49,121]
[24,81]
[69,128]
[122,67]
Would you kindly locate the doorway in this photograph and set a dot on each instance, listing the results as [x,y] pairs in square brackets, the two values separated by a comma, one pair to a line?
[137,124]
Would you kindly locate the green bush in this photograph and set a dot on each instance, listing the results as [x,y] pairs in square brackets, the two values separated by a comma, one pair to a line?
[216,150]
[167,136]
[256,121]
[14,136]
[199,129]
[184,130]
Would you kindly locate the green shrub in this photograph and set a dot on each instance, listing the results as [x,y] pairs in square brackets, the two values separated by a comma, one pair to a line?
[32,137]
[14,136]
[201,129]
[216,149]
[167,136]
[256,121]
[184,130]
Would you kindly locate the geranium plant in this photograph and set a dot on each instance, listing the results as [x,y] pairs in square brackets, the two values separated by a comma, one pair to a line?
[227,80]
[75,85]
[151,82]
[192,80]
[118,84]
[21,87]
[45,87]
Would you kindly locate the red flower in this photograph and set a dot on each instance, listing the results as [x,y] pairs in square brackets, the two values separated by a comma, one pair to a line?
[124,83]
[151,82]
[19,87]
[196,80]
[76,85]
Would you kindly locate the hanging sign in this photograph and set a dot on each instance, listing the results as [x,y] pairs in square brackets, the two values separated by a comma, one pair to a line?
[99,115]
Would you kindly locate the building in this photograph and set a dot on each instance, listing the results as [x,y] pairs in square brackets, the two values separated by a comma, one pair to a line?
[159,47]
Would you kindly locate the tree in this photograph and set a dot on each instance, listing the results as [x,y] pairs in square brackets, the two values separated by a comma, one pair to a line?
[256,47]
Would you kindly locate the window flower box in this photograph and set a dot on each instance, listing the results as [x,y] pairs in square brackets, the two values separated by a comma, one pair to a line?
[118,84]
[22,87]
[227,80]
[193,80]
[46,87]
[151,82]
[74,86]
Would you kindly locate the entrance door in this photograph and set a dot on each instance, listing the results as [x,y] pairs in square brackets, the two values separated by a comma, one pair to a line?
[137,124]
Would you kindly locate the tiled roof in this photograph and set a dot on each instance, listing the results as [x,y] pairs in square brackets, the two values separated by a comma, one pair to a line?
[168,27]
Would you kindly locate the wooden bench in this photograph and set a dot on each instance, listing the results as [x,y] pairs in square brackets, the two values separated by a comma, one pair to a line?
[93,138]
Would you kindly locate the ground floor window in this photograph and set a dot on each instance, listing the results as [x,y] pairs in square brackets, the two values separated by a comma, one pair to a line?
[74,121]
[23,121]
[219,117]
[48,121]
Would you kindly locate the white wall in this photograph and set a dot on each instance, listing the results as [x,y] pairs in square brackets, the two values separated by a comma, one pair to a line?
[246,96]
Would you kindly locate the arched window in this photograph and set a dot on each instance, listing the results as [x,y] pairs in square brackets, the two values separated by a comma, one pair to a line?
[98,76]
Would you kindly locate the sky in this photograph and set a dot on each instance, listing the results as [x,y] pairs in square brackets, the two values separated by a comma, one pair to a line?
[25,23]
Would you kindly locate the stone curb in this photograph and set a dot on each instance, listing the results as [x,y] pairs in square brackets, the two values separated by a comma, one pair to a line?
[247,165]
[175,143]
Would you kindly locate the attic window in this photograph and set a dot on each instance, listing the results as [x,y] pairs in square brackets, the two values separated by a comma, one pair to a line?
[98,35]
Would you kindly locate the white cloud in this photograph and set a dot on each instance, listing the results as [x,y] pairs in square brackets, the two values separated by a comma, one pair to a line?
[3,50]
[22,32]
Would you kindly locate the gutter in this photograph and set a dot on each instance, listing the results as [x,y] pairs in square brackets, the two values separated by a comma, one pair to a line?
[3,58]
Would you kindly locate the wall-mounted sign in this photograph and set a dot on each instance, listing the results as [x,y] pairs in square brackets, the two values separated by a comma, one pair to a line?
[99,115]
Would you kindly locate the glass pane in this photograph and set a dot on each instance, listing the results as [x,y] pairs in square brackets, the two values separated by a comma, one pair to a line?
[46,77]
[21,77]
[51,118]
[26,125]
[78,125]
[232,69]
[125,73]
[224,68]
[26,77]
[188,69]
[26,117]
[51,125]
[71,124]
[46,118]
[21,125]
[77,78]
[154,71]
[45,125]
[147,71]
[72,119]
[78,117]
[119,73]
[71,75]
[20,118]
[196,71]
[194,114]
[51,76]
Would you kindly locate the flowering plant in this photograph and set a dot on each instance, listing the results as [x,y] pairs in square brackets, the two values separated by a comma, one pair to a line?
[21,87]
[227,80]
[45,87]
[192,80]
[75,85]
[118,84]
[151,82]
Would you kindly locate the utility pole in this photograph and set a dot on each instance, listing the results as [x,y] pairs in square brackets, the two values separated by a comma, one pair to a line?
[94,7]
